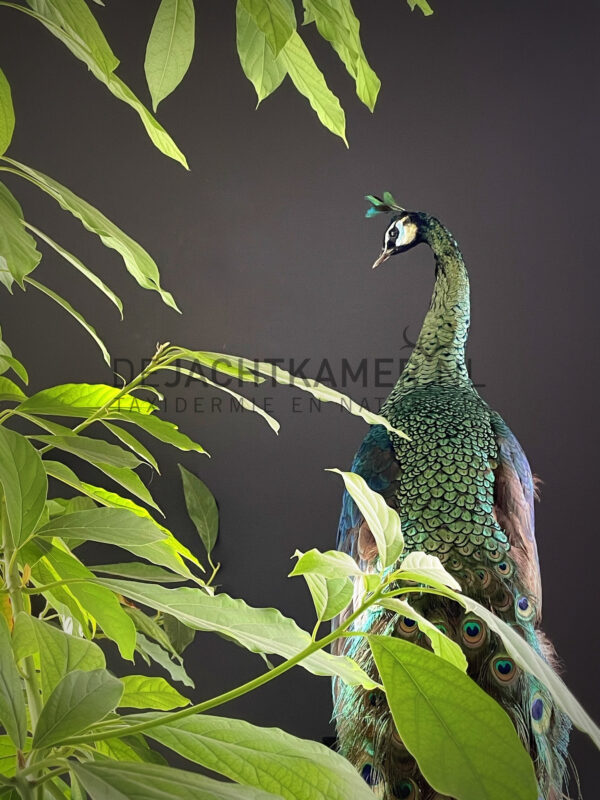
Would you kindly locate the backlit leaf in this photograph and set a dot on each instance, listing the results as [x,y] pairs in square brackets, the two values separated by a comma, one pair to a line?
[24,481]
[260,66]
[144,692]
[260,630]
[137,261]
[383,521]
[18,252]
[275,19]
[10,392]
[170,47]
[75,17]
[268,758]
[310,82]
[422,4]
[338,24]
[7,114]
[82,400]
[100,603]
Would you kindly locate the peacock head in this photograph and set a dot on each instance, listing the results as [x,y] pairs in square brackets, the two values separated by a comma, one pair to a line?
[404,231]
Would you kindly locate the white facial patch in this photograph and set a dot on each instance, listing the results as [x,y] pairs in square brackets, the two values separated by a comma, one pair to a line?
[400,233]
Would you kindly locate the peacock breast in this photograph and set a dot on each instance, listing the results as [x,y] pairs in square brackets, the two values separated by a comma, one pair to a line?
[445,491]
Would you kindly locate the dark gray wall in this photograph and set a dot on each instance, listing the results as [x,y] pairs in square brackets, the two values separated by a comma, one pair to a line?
[488,118]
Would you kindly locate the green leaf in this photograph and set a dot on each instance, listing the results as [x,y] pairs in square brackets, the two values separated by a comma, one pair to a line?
[98,453]
[131,481]
[59,652]
[134,444]
[260,630]
[275,19]
[106,525]
[144,692]
[82,400]
[465,744]
[383,521]
[149,627]
[74,17]
[157,134]
[170,48]
[18,252]
[180,636]
[78,701]
[161,429]
[219,363]
[260,66]
[74,313]
[331,564]
[10,392]
[137,261]
[309,81]
[12,703]
[267,758]
[8,761]
[422,4]
[330,595]
[201,508]
[138,571]
[79,266]
[320,392]
[7,114]
[442,645]
[246,404]
[114,780]
[337,23]
[161,657]
[327,576]
[8,362]
[425,568]
[168,553]
[59,505]
[131,748]
[100,603]
[95,451]
[55,23]
[24,481]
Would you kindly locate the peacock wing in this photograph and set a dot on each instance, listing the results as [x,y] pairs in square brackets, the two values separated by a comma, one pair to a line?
[514,494]
[376,463]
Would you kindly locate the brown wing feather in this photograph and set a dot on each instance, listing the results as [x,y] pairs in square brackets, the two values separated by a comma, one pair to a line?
[514,494]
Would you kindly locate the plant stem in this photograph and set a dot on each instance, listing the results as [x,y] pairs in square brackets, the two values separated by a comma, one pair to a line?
[199,708]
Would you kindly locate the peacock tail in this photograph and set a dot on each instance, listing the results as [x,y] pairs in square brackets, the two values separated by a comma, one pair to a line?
[464,491]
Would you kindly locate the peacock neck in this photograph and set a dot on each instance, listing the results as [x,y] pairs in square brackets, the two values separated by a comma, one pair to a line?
[439,354]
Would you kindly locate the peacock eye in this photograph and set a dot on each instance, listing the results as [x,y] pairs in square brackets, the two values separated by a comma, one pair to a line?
[504,670]
[473,632]
[407,625]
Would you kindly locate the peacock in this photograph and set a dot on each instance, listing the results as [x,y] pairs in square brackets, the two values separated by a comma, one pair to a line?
[464,491]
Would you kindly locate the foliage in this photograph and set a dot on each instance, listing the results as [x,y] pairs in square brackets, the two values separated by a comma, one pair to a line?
[68,732]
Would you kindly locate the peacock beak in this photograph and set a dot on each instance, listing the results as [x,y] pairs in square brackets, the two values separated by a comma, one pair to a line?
[383,256]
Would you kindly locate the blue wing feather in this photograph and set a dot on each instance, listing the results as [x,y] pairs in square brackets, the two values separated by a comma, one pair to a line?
[376,462]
